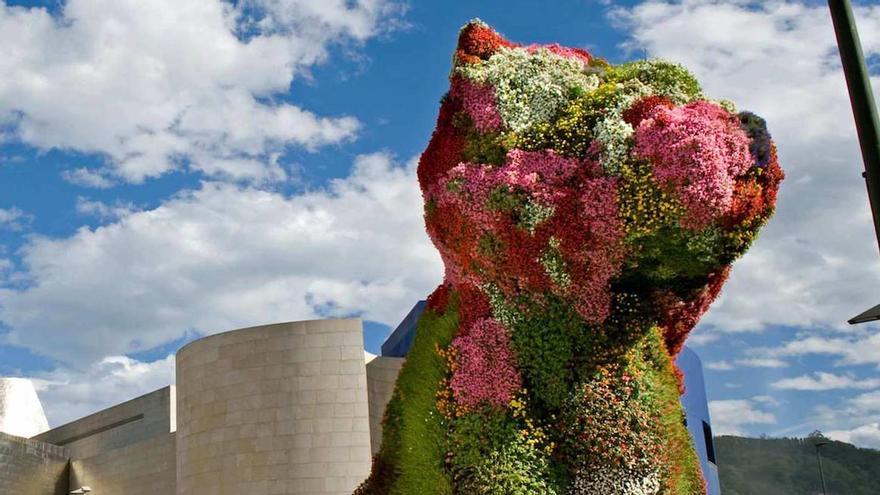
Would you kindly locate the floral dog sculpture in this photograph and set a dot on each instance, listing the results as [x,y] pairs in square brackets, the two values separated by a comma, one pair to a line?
[587,215]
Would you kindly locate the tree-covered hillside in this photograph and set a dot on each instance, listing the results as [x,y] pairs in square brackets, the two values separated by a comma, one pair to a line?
[787,466]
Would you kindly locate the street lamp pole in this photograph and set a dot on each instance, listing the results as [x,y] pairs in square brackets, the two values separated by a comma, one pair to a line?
[821,473]
[864,108]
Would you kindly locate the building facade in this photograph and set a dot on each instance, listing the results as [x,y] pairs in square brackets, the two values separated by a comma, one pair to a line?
[696,408]
[274,409]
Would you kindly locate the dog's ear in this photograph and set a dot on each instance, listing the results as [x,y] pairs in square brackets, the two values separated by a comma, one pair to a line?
[477,41]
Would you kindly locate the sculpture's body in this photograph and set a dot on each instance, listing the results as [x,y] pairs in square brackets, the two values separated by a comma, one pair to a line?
[587,216]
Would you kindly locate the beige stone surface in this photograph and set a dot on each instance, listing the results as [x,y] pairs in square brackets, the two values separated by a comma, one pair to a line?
[381,377]
[143,468]
[143,418]
[31,467]
[274,409]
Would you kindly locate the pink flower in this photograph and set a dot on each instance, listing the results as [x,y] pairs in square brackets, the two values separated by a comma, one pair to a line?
[583,219]
[479,102]
[563,51]
[486,371]
[697,151]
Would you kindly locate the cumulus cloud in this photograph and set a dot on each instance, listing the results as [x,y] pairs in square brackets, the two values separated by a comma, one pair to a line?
[225,256]
[816,263]
[87,178]
[863,347]
[825,381]
[13,218]
[732,417]
[855,420]
[761,363]
[725,365]
[156,86]
[865,435]
[101,210]
[719,365]
[68,394]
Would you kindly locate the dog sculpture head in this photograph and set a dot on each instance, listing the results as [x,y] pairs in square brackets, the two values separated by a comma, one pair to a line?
[621,190]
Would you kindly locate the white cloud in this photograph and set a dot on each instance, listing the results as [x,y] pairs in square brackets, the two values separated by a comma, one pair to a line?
[861,348]
[867,403]
[13,218]
[864,436]
[725,365]
[761,363]
[336,16]
[154,86]
[68,394]
[702,336]
[852,420]
[859,409]
[766,400]
[719,365]
[816,263]
[86,178]
[101,210]
[226,256]
[825,381]
[731,417]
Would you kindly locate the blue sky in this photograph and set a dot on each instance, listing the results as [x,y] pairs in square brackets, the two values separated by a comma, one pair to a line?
[173,169]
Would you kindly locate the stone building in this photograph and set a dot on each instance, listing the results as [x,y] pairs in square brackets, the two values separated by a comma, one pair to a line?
[274,409]
[290,408]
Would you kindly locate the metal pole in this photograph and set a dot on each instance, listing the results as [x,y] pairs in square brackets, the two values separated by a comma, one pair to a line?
[821,473]
[862,98]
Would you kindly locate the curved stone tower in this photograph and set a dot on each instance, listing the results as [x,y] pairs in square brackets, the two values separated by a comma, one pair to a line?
[21,413]
[274,409]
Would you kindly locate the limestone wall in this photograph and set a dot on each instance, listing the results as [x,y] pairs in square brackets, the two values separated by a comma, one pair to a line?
[381,377]
[144,418]
[274,409]
[31,467]
[143,468]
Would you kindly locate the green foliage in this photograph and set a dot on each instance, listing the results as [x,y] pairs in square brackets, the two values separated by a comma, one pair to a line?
[512,468]
[667,79]
[490,148]
[414,437]
[570,132]
[494,454]
[544,340]
[529,87]
[787,466]
[660,390]
[504,200]
[673,253]
[525,213]
[554,265]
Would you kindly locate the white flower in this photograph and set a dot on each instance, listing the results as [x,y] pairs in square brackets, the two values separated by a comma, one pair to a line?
[530,87]
[615,482]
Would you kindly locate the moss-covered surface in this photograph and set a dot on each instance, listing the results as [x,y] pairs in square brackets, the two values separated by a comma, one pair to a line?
[411,458]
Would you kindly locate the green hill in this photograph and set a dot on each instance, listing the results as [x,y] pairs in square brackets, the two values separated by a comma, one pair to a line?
[787,466]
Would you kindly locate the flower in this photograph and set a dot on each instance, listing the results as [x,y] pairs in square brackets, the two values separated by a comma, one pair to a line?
[698,151]
[587,216]
[485,372]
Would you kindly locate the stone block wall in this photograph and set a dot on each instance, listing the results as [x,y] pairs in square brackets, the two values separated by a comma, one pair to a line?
[143,468]
[276,409]
[143,418]
[32,467]
[381,377]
